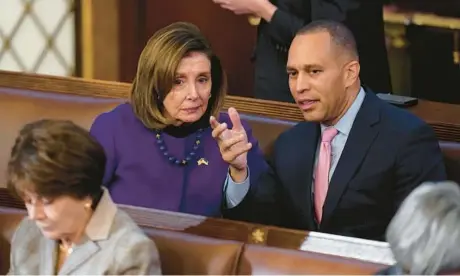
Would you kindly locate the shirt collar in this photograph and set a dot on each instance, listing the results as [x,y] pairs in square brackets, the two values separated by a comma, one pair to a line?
[346,122]
[100,223]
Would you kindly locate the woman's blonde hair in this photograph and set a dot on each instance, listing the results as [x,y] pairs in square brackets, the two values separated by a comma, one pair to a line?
[157,68]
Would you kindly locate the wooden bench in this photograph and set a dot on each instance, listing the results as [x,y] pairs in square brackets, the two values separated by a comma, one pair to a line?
[184,253]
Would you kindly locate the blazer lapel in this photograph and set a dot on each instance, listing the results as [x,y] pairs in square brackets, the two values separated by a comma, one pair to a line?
[98,229]
[303,177]
[48,257]
[79,255]
[361,137]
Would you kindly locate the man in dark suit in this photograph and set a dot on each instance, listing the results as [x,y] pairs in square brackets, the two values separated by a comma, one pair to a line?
[281,19]
[347,168]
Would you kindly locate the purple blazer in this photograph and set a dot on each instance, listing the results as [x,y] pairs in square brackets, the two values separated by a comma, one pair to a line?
[137,173]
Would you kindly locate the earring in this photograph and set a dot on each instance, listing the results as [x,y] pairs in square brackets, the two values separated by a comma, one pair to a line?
[87,205]
[210,95]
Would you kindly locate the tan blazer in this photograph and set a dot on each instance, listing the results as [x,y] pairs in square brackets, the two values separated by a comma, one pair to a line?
[113,245]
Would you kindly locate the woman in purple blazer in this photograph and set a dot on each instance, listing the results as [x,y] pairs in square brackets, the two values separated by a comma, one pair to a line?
[159,146]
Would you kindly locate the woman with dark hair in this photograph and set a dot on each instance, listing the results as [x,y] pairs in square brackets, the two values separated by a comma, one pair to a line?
[73,226]
[161,153]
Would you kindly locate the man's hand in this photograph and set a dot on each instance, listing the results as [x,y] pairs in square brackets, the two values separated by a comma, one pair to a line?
[233,144]
[261,8]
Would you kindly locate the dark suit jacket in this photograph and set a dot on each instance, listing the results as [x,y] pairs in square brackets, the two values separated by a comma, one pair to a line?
[363,17]
[388,153]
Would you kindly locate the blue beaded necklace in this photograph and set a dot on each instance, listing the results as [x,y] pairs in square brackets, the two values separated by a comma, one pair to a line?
[180,162]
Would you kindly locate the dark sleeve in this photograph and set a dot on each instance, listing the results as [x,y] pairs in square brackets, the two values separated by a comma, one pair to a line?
[102,130]
[419,160]
[283,26]
[260,204]
[333,9]
[338,10]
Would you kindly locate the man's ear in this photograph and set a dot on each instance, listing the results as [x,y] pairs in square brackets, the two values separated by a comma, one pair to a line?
[352,70]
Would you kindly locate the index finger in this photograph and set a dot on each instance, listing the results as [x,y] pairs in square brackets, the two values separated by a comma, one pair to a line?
[235,118]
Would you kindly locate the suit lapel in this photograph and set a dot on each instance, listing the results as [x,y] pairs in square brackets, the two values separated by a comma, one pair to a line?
[79,255]
[48,257]
[361,137]
[302,178]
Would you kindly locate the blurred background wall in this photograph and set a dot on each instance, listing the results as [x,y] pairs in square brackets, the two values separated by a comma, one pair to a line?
[38,36]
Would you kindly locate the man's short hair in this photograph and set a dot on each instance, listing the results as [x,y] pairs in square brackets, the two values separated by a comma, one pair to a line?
[340,34]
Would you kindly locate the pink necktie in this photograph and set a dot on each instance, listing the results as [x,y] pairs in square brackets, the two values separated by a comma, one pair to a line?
[322,171]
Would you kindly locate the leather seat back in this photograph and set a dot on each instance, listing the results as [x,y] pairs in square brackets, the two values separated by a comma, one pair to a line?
[18,107]
[266,130]
[183,253]
[9,220]
[451,154]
